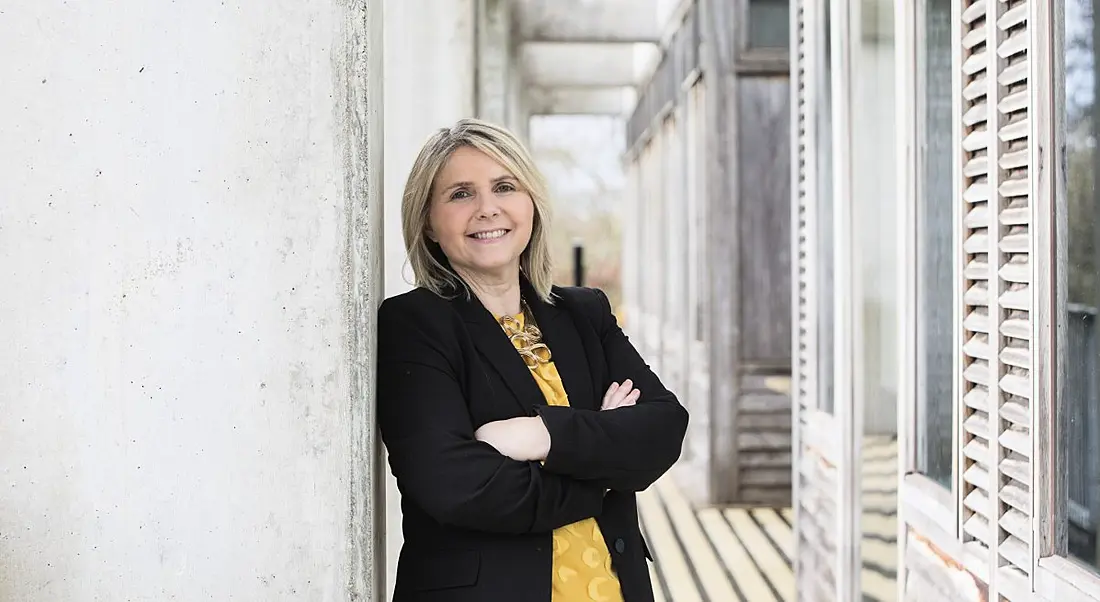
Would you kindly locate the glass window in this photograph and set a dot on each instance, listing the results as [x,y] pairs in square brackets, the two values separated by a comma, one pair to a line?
[769,24]
[823,119]
[876,255]
[934,244]
[1079,406]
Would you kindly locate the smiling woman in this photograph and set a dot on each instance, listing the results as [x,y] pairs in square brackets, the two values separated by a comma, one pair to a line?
[520,421]
[483,219]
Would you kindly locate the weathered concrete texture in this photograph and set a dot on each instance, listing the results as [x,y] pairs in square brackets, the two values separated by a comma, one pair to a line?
[495,60]
[189,235]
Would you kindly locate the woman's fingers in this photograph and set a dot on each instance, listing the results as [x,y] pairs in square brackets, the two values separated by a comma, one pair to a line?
[607,395]
[614,396]
[619,395]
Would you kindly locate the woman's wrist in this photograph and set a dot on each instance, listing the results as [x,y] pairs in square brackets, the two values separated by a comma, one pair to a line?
[540,438]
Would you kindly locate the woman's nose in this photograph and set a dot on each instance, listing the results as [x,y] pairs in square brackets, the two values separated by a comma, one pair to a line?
[487,206]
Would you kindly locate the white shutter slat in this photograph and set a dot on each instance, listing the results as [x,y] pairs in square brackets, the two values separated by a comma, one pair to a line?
[977,501]
[976,242]
[974,12]
[977,320]
[1017,496]
[977,269]
[978,294]
[1016,327]
[978,424]
[977,398]
[1019,357]
[1010,311]
[1016,412]
[978,216]
[978,346]
[979,478]
[978,373]
[1015,550]
[1017,298]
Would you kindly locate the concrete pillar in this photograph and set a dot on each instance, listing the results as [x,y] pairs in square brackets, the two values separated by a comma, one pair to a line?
[494,64]
[501,94]
[430,54]
[190,241]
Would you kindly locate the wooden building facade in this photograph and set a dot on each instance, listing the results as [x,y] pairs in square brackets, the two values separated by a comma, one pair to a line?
[945,231]
[900,211]
[708,171]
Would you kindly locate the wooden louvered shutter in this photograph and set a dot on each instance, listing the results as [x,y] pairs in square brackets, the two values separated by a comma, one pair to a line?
[996,446]
[816,556]
[800,345]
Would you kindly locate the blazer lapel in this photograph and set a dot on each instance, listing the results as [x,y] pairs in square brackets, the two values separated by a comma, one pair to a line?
[490,340]
[561,335]
[558,332]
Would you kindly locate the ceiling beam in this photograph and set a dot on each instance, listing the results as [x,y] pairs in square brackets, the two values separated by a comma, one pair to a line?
[580,101]
[579,65]
[589,20]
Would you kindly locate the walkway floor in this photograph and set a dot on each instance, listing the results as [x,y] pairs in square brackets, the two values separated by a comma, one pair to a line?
[744,554]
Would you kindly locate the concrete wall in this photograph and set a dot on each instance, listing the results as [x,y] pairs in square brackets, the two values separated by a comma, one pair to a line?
[189,251]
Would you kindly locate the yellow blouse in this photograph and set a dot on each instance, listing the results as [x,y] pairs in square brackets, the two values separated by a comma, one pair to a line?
[582,561]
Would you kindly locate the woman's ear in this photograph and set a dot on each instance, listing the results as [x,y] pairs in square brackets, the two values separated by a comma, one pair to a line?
[430,234]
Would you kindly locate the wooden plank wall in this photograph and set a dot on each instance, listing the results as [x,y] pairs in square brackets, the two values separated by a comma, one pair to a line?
[764,322]
[748,192]
[764,443]
[721,160]
[763,156]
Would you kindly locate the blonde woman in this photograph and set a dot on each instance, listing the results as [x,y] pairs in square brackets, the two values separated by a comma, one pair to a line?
[519,419]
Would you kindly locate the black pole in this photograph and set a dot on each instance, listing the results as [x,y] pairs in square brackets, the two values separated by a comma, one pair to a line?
[578,264]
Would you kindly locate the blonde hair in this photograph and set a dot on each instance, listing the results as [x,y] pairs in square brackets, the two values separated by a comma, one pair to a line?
[430,267]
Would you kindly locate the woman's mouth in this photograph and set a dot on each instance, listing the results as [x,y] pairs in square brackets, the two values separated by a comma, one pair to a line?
[489,235]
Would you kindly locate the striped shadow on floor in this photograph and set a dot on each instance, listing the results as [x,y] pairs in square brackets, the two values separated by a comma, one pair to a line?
[715,554]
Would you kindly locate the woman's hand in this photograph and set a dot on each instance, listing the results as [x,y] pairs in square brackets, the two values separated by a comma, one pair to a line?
[620,396]
[524,439]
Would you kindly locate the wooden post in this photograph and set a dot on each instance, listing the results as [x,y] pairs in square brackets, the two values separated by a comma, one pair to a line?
[718,50]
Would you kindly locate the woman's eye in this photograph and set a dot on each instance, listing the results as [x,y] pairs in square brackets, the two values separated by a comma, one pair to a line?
[459,194]
[506,188]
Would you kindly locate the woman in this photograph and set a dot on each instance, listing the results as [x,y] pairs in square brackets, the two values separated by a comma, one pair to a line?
[519,419]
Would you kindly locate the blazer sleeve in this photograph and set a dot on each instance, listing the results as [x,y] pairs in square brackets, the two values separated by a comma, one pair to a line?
[428,432]
[625,449]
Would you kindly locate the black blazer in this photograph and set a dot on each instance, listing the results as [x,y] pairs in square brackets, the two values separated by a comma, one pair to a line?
[477,525]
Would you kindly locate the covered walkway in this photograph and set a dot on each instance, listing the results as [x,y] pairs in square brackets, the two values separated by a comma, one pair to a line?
[716,553]
[858,239]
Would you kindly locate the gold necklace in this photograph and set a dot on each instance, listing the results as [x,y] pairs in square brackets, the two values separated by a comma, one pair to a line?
[526,339]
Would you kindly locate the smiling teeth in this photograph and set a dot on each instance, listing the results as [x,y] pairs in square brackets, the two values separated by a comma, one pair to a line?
[490,234]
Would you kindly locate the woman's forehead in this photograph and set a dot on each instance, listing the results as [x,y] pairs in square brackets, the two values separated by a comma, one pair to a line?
[471,167]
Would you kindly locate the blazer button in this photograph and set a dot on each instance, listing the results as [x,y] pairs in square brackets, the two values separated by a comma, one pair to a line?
[620,545]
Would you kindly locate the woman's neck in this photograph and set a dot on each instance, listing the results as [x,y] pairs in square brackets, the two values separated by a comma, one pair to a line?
[501,296]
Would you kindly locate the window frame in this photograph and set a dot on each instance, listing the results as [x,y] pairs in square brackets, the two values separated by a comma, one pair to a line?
[1056,576]
[923,502]
[758,60]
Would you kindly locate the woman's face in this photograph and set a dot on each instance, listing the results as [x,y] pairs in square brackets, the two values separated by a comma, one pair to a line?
[480,216]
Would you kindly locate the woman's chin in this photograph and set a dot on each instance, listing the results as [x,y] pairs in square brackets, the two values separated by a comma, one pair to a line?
[495,267]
